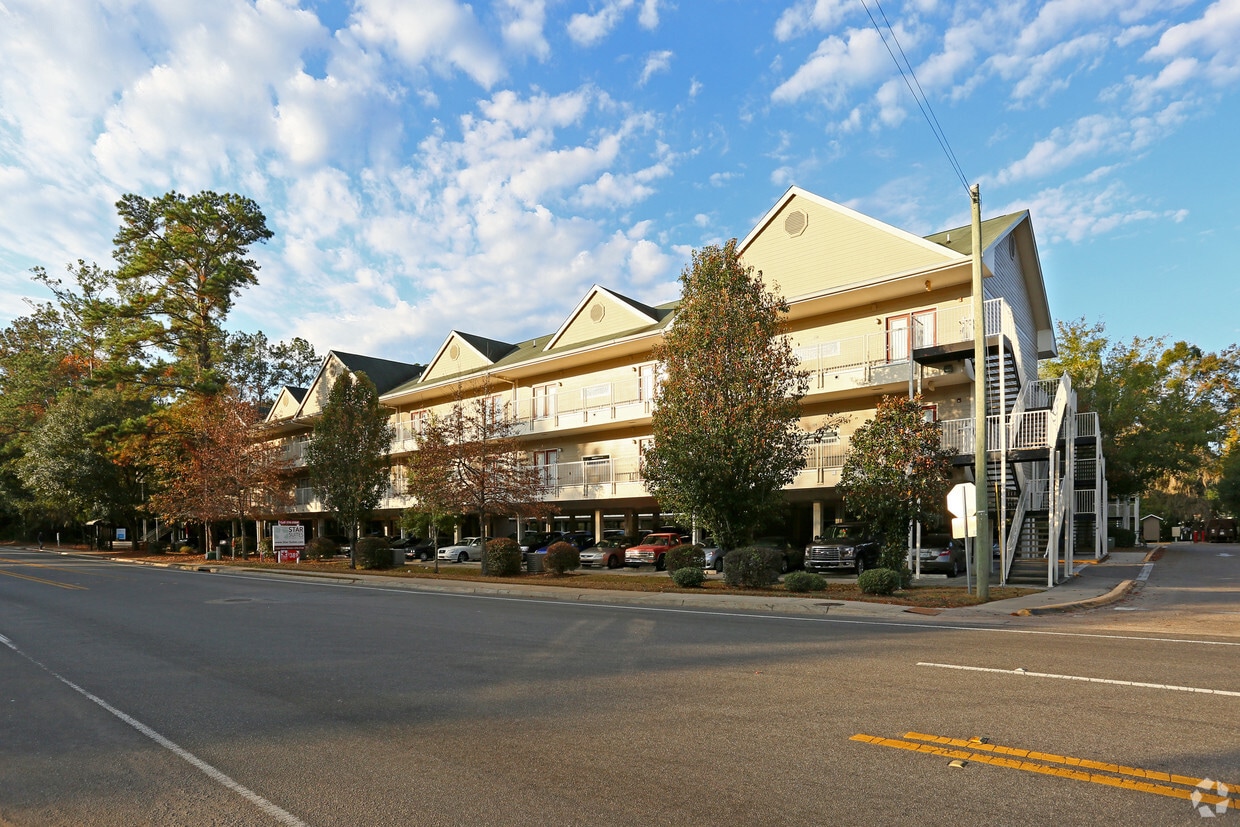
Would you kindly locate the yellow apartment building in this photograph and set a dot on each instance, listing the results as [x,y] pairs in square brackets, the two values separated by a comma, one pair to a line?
[873,310]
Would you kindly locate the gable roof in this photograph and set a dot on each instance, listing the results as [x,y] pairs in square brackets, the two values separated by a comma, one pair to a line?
[960,239]
[483,350]
[599,299]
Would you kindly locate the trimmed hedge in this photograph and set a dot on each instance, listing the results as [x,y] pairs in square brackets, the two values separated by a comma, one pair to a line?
[750,567]
[374,553]
[684,557]
[804,581]
[562,557]
[689,577]
[879,581]
[503,557]
[320,548]
[1124,537]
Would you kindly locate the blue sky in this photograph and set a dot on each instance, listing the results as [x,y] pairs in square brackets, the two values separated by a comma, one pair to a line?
[428,165]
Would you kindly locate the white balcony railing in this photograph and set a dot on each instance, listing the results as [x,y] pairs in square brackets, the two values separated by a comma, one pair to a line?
[874,358]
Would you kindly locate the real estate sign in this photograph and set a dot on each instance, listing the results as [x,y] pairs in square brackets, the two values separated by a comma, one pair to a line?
[288,538]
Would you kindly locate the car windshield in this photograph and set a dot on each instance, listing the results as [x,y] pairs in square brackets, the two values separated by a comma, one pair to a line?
[654,541]
[842,532]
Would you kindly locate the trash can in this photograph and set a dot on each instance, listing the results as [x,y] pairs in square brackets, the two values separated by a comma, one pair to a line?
[533,562]
[212,554]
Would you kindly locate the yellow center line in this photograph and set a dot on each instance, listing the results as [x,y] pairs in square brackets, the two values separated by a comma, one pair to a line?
[41,580]
[60,567]
[1048,757]
[1046,769]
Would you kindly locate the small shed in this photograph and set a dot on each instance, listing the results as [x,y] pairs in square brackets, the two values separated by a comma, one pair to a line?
[1151,528]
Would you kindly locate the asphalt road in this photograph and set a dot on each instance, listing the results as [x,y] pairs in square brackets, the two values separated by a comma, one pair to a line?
[137,695]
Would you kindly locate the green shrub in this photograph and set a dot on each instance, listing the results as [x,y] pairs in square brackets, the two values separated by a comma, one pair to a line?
[157,547]
[689,577]
[243,547]
[804,581]
[186,548]
[562,557]
[320,548]
[374,553]
[750,567]
[684,557]
[879,581]
[264,547]
[1124,537]
[503,557]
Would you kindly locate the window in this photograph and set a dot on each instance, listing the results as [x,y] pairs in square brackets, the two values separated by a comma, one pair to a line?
[597,469]
[930,413]
[897,338]
[547,463]
[493,407]
[418,420]
[597,396]
[544,400]
[647,386]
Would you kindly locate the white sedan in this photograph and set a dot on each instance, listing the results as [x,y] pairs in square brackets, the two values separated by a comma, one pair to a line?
[470,548]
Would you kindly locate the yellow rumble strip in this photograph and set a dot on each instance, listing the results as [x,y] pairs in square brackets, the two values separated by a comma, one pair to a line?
[1128,778]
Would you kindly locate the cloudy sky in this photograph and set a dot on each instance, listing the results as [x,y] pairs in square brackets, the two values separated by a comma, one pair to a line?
[428,165]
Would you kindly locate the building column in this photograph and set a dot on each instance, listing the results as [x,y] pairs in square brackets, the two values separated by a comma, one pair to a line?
[818,510]
[630,522]
[598,524]
[319,527]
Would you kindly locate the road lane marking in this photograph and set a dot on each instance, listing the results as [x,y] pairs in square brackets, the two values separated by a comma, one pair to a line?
[1029,764]
[61,566]
[280,815]
[1052,758]
[1142,685]
[34,579]
[1145,572]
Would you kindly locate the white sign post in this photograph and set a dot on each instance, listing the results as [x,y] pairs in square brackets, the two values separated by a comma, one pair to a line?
[962,503]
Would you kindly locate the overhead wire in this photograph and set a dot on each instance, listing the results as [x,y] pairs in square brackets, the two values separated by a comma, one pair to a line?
[919,95]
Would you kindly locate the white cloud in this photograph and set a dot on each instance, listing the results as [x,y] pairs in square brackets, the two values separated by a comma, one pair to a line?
[523,26]
[655,62]
[1075,214]
[1089,136]
[805,16]
[441,33]
[836,68]
[589,29]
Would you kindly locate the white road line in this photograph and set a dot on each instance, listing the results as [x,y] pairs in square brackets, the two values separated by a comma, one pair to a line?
[280,815]
[1145,572]
[1026,674]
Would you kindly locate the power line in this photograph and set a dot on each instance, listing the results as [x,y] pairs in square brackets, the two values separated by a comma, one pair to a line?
[919,95]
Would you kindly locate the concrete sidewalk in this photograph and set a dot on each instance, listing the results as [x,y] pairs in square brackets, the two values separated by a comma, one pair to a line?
[1095,584]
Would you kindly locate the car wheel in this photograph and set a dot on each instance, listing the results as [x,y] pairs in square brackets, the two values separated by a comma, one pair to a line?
[860,565]
[783,565]
[463,557]
[718,565]
[613,563]
[658,563]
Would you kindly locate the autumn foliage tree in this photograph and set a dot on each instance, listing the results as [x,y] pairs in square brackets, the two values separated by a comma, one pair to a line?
[726,427]
[470,461]
[896,471]
[209,467]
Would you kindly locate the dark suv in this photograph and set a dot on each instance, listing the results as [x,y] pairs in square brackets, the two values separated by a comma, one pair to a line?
[843,546]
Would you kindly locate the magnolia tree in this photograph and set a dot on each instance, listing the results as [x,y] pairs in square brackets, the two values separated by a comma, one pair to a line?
[895,472]
[726,427]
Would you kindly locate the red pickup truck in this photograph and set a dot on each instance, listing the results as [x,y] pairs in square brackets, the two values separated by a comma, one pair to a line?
[650,551]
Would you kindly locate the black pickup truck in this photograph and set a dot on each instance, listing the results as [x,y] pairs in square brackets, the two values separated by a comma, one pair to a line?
[843,546]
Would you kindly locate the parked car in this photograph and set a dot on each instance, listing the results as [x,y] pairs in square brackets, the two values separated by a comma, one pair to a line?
[470,548]
[843,546]
[651,550]
[714,557]
[941,554]
[793,557]
[534,540]
[609,553]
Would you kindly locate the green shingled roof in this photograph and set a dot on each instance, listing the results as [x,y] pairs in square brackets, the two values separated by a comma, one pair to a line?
[961,238]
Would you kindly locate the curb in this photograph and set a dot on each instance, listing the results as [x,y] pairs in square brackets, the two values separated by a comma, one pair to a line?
[1113,596]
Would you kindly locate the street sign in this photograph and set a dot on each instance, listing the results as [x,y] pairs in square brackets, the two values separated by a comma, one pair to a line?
[288,534]
[962,503]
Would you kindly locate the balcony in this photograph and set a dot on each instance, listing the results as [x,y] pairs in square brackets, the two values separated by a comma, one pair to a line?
[882,358]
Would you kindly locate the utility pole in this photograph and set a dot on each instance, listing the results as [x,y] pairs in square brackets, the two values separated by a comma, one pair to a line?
[981,545]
